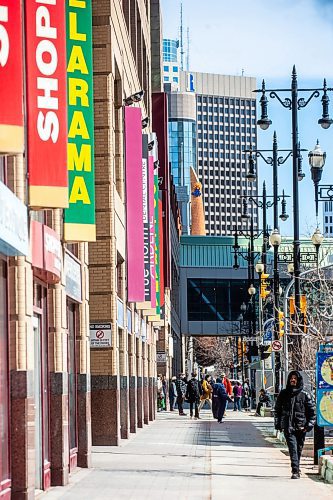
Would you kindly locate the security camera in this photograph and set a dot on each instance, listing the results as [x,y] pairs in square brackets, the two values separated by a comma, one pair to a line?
[151,145]
[156,164]
[145,122]
[137,97]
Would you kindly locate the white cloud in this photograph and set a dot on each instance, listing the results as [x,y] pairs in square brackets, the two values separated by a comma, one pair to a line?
[257,35]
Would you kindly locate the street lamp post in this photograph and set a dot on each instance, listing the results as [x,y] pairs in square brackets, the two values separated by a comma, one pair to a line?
[275,240]
[294,103]
[275,160]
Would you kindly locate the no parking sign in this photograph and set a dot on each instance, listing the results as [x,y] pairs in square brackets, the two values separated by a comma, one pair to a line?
[100,335]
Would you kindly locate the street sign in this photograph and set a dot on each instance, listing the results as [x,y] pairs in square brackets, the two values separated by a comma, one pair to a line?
[250,339]
[161,357]
[100,335]
[268,331]
[324,379]
[276,346]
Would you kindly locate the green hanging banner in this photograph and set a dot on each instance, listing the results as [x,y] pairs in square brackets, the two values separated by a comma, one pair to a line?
[80,216]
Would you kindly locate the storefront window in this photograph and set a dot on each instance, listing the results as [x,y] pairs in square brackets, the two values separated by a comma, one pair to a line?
[4,424]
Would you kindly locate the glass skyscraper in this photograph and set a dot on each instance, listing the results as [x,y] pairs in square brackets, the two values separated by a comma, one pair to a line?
[170,50]
[170,63]
[182,149]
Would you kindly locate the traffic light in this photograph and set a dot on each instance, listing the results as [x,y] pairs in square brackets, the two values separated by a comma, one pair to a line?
[281,324]
[264,283]
[239,348]
[303,304]
[265,351]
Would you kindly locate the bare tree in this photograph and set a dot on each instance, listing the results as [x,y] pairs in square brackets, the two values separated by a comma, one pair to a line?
[215,351]
[312,325]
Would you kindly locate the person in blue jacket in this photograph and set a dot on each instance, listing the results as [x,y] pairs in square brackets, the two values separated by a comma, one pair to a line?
[220,398]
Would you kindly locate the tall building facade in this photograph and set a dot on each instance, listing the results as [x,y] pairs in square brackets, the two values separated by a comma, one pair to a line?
[328,219]
[171,66]
[226,127]
[44,300]
[182,148]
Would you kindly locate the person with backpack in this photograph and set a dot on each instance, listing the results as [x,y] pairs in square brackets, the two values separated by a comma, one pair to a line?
[193,395]
[294,414]
[181,388]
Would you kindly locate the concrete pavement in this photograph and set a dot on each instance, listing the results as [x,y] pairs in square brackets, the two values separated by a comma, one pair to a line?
[179,458]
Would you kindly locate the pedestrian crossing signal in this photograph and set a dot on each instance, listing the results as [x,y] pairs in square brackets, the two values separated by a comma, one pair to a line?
[264,284]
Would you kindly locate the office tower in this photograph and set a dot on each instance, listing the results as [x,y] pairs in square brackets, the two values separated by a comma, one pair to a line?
[170,63]
[226,127]
[328,219]
[182,147]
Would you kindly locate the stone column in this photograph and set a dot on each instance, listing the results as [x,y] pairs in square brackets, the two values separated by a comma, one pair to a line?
[139,389]
[133,414]
[150,385]
[145,383]
[124,389]
[84,382]
[21,358]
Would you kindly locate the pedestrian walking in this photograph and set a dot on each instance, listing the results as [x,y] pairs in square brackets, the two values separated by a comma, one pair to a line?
[160,394]
[237,391]
[165,391]
[172,393]
[181,392]
[246,397]
[294,414]
[264,399]
[220,398]
[206,396]
[193,395]
[227,384]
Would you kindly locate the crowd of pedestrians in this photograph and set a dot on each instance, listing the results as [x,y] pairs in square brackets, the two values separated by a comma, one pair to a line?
[214,393]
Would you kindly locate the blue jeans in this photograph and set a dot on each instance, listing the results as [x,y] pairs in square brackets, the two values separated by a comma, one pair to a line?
[237,404]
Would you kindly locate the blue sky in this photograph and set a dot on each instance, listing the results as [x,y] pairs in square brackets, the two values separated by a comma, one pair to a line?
[265,38]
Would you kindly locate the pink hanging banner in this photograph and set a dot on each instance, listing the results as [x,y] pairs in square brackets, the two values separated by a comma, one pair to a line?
[134,198]
[151,198]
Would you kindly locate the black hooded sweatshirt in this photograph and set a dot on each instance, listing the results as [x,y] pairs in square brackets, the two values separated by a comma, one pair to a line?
[294,408]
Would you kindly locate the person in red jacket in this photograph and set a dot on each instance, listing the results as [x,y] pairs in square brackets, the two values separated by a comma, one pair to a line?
[228,387]
[227,384]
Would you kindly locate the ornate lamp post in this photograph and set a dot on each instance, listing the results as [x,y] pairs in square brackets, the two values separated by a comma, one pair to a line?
[294,103]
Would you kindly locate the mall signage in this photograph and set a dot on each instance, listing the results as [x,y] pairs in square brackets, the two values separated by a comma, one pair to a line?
[80,216]
[13,224]
[134,212]
[46,252]
[46,103]
[11,77]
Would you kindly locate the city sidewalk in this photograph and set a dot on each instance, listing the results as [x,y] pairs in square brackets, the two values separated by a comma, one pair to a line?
[179,458]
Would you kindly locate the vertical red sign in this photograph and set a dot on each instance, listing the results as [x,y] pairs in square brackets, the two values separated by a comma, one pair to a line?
[11,77]
[134,212]
[45,26]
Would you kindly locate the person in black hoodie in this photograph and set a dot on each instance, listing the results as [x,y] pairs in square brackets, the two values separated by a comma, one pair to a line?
[193,395]
[294,414]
